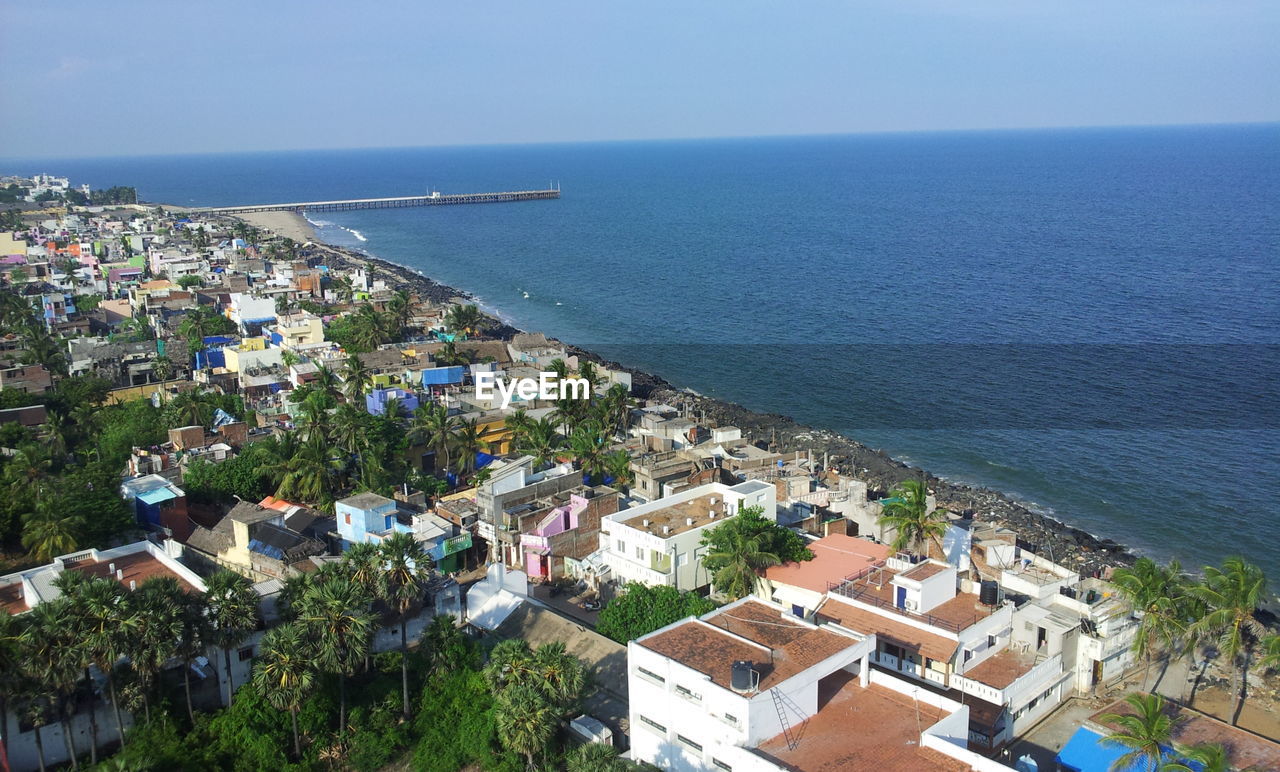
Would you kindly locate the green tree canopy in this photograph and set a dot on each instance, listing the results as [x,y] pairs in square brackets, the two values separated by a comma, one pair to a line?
[642,609]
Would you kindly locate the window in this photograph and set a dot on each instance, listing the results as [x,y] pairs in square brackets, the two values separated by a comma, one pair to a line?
[687,694]
[991,641]
[246,653]
[682,560]
[730,718]
[346,518]
[621,547]
[968,655]
[690,744]
[721,765]
[652,676]
[653,725]
[640,552]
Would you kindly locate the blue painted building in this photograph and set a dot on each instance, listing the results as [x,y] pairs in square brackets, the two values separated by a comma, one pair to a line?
[376,401]
[368,517]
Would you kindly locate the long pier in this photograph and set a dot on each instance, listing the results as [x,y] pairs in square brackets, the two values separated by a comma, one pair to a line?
[435,199]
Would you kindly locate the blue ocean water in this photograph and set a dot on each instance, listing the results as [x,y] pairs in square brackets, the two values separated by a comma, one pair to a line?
[762,270]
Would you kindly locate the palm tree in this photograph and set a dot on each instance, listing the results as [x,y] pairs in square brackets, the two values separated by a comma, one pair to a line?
[1231,595]
[50,530]
[517,422]
[1155,594]
[465,319]
[357,379]
[1147,733]
[449,354]
[593,757]
[407,567]
[617,465]
[27,466]
[399,309]
[104,621]
[432,426]
[587,444]
[1270,659]
[739,562]
[284,673]
[467,442]
[349,428]
[10,660]
[233,613]
[908,514]
[542,441]
[327,382]
[342,289]
[162,367]
[617,405]
[335,613]
[309,474]
[369,328]
[54,656]
[1208,757]
[159,606]
[560,675]
[525,721]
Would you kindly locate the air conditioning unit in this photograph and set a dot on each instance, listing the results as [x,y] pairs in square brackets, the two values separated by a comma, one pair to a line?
[909,605]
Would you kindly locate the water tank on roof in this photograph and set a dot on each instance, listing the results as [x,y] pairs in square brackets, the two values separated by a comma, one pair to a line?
[743,678]
[989,594]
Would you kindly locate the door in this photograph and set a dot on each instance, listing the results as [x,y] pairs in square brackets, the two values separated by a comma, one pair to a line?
[1041,636]
[1097,672]
[902,599]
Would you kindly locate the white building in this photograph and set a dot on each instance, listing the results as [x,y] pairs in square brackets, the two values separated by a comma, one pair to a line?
[659,543]
[749,688]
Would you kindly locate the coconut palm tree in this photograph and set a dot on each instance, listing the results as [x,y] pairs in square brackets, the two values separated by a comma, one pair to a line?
[327,382]
[399,309]
[28,465]
[736,565]
[525,722]
[907,512]
[1270,659]
[233,613]
[1231,595]
[617,465]
[1208,757]
[542,441]
[369,328]
[587,444]
[50,530]
[467,443]
[1155,594]
[348,428]
[309,474]
[1146,733]
[617,405]
[406,568]
[53,657]
[464,319]
[431,425]
[356,378]
[335,614]
[284,672]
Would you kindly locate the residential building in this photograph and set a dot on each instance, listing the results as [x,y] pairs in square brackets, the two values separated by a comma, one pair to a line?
[750,688]
[368,517]
[559,531]
[659,543]
[158,504]
[255,541]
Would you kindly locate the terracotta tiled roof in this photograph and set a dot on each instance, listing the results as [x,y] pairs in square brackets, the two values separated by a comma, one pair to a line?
[835,557]
[932,645]
[1001,669]
[785,648]
[857,728]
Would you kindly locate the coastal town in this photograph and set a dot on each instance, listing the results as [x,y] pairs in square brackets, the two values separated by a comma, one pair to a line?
[272,503]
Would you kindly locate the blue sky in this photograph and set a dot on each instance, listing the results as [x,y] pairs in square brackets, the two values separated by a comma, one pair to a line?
[128,78]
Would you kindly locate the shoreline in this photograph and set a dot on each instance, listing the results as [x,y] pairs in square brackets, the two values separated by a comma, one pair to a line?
[1057,540]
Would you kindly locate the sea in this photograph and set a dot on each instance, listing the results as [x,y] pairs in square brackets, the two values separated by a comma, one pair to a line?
[1085,319]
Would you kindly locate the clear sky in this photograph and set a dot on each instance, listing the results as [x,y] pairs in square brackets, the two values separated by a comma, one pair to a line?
[125,78]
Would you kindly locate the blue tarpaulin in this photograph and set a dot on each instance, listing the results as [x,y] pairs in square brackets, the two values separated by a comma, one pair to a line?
[440,376]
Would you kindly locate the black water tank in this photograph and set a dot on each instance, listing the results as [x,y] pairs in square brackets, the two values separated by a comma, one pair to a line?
[742,679]
[1070,592]
[989,594]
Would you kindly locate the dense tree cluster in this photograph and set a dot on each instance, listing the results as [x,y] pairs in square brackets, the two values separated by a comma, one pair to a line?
[741,547]
[641,609]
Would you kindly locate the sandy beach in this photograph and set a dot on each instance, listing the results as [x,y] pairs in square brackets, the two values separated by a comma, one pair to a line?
[288,224]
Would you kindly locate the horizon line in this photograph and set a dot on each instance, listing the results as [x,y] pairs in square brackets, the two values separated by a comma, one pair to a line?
[634,140]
